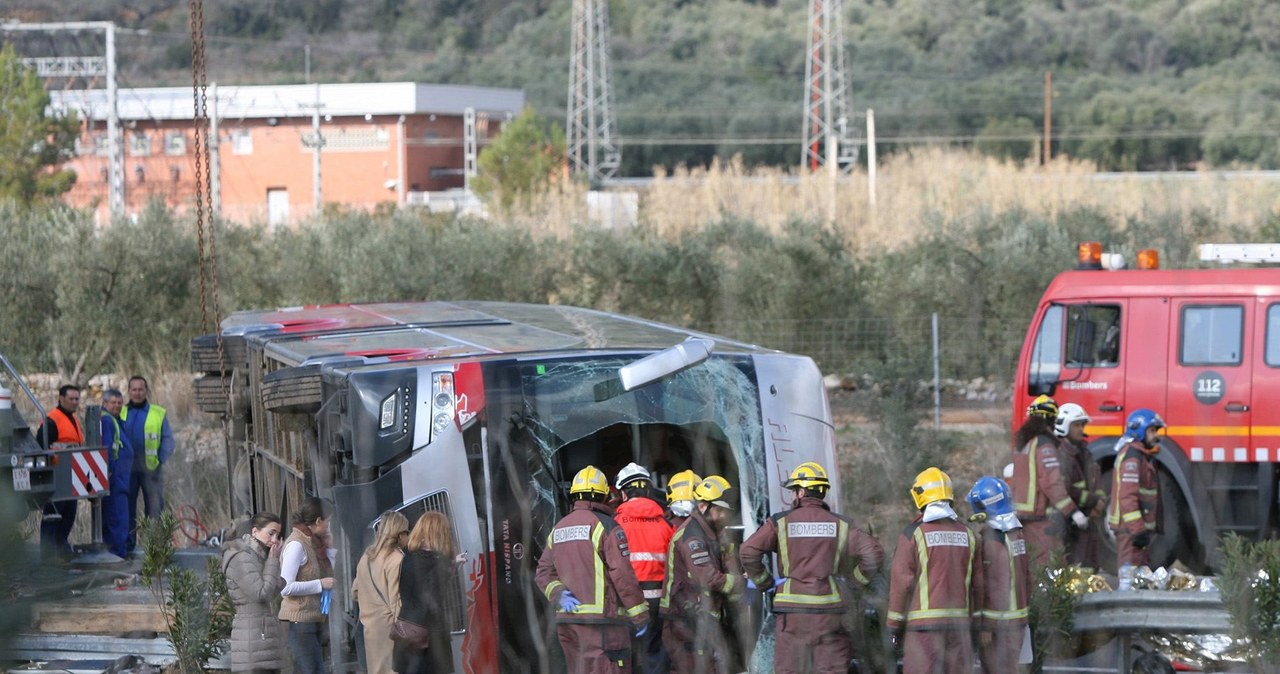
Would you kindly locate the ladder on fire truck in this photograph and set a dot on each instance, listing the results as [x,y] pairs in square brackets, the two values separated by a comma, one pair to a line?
[1240,252]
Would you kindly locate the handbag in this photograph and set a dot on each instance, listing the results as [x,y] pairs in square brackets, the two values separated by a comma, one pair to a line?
[410,634]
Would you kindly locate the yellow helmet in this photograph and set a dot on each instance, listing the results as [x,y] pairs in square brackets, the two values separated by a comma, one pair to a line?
[680,486]
[930,486]
[809,475]
[711,490]
[590,480]
[1043,406]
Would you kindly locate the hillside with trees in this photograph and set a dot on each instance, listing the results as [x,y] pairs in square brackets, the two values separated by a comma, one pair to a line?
[1138,84]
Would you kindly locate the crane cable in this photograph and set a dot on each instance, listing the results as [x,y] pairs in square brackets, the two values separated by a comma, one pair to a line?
[207,260]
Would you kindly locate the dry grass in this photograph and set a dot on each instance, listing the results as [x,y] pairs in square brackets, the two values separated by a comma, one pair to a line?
[912,188]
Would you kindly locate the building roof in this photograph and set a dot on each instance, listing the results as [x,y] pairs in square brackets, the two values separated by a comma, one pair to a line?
[295,100]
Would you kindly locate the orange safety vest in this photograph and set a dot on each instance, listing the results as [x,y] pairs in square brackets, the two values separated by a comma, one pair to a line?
[69,430]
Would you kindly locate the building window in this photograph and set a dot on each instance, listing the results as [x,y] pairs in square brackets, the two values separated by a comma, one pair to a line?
[101,144]
[175,143]
[139,145]
[1212,335]
[241,141]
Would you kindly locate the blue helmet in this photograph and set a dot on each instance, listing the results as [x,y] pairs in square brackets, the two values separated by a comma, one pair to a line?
[1135,428]
[990,495]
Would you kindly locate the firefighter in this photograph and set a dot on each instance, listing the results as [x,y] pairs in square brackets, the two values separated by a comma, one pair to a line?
[1083,478]
[586,574]
[815,547]
[1039,491]
[933,589]
[680,497]
[648,535]
[1006,575]
[696,585]
[1134,512]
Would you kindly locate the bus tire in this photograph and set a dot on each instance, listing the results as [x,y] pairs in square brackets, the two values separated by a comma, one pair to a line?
[204,354]
[211,396]
[292,390]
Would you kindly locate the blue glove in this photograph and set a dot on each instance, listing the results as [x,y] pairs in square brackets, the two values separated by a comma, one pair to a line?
[643,628]
[777,582]
[568,602]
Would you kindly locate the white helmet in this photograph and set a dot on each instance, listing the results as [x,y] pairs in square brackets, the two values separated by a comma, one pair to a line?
[631,473]
[1068,414]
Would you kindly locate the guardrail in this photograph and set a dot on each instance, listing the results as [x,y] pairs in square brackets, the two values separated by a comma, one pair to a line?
[1127,614]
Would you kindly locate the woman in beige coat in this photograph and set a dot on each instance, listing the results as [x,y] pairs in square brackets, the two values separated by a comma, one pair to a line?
[377,590]
[252,567]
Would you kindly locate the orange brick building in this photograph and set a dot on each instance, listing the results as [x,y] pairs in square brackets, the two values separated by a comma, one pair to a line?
[385,143]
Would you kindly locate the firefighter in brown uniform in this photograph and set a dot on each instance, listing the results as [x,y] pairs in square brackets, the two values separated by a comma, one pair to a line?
[1083,477]
[697,584]
[935,585]
[815,547]
[1006,575]
[586,574]
[1039,490]
[1134,511]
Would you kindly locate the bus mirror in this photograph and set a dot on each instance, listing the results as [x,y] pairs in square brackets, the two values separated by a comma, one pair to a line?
[665,363]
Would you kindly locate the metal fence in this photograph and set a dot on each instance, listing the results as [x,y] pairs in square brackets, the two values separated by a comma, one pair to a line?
[968,347]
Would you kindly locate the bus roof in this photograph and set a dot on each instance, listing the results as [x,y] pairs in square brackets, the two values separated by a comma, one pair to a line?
[1090,284]
[413,331]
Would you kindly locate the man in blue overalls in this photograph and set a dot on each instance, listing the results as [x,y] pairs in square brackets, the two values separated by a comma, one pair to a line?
[115,507]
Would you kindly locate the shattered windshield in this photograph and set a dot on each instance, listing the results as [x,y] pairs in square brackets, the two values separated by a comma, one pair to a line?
[567,401]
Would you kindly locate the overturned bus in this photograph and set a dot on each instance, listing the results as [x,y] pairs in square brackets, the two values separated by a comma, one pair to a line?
[484,411]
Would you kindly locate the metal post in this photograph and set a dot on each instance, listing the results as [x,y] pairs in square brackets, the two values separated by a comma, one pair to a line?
[401,160]
[937,377]
[871,158]
[215,160]
[115,149]
[317,193]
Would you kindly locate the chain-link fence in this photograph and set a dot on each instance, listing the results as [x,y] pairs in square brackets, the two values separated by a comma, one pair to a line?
[968,347]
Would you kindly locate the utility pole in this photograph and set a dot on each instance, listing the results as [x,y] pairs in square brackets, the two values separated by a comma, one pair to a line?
[1048,116]
[828,140]
[215,159]
[590,125]
[469,153]
[317,143]
[91,66]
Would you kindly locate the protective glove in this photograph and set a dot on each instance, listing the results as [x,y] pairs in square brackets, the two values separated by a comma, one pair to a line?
[643,629]
[777,582]
[1080,520]
[568,602]
[1141,539]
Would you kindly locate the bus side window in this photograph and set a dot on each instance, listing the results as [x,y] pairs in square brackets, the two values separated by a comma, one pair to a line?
[1046,356]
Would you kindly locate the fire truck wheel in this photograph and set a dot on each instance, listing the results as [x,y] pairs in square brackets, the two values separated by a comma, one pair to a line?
[1174,543]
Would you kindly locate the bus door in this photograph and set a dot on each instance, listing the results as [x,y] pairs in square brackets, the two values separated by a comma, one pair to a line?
[1209,409]
[1079,357]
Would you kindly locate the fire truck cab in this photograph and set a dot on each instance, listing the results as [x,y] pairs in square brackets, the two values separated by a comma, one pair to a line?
[1199,346]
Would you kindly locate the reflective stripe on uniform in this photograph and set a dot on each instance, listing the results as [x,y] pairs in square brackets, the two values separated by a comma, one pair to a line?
[1014,614]
[670,576]
[648,556]
[655,593]
[1028,506]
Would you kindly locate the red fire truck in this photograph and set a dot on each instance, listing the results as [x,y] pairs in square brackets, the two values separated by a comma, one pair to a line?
[1199,346]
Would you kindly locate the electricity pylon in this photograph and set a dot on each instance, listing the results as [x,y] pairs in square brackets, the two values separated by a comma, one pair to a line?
[590,127]
[828,127]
